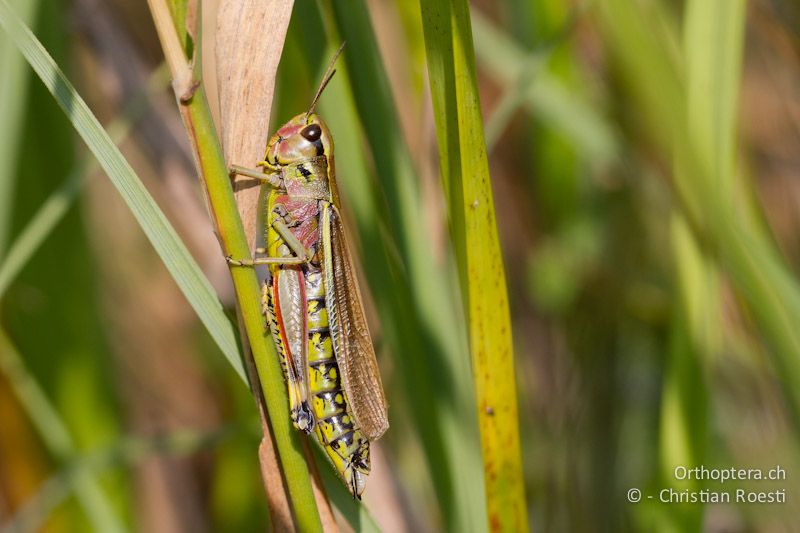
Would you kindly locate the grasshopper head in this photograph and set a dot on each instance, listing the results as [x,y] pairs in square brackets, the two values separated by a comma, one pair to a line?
[304,137]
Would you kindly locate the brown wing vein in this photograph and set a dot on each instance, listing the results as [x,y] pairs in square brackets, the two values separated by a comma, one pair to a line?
[359,367]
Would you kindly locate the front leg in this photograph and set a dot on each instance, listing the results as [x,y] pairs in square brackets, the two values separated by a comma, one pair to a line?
[272,178]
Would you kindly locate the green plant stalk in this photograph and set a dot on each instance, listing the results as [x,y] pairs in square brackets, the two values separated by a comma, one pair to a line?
[465,173]
[196,115]
[234,244]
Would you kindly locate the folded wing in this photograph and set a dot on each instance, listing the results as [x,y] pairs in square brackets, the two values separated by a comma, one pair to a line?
[351,340]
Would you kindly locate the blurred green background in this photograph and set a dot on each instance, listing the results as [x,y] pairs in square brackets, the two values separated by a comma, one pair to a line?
[644,157]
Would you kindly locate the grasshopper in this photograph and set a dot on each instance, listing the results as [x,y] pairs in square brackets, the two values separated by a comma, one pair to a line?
[312,300]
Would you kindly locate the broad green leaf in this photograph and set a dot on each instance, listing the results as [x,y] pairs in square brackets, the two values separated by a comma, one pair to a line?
[465,173]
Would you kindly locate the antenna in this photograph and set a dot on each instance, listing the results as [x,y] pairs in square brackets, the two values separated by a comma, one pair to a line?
[325,79]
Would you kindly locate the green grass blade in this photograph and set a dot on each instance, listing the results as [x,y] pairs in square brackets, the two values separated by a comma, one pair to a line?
[712,53]
[191,280]
[55,435]
[713,44]
[13,92]
[453,77]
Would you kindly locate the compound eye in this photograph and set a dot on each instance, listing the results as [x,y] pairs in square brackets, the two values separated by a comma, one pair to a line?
[311,133]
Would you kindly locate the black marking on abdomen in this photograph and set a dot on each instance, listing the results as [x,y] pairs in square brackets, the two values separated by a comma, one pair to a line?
[327,362]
